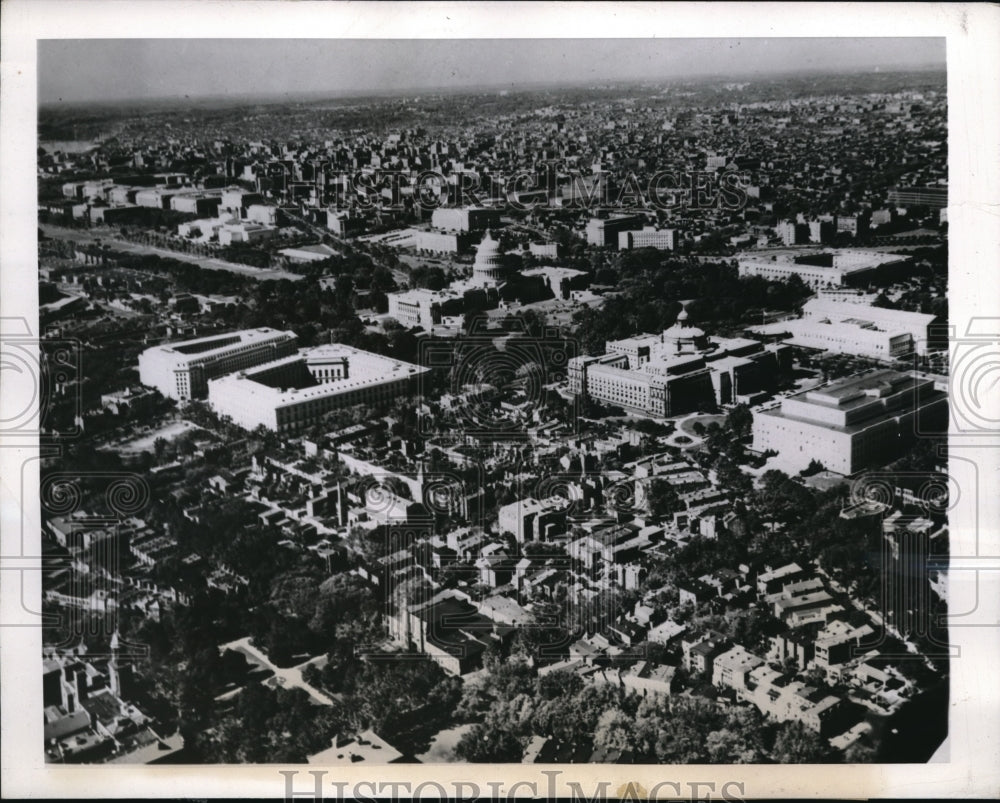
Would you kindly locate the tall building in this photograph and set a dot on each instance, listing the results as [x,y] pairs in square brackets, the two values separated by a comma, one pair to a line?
[182,370]
[792,233]
[907,572]
[852,424]
[293,393]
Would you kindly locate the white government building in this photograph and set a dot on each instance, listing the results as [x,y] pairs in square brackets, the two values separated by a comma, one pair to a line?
[295,392]
[182,370]
[425,308]
[851,424]
[848,324]
[848,328]
[846,266]
[678,371]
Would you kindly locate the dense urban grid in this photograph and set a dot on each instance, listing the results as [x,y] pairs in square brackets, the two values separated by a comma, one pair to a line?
[589,424]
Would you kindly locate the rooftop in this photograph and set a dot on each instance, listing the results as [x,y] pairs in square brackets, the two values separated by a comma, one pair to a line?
[221,343]
[365,369]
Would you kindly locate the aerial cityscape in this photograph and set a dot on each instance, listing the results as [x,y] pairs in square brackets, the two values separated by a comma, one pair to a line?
[598,421]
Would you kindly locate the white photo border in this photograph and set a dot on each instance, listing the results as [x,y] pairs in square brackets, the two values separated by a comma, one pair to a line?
[972,33]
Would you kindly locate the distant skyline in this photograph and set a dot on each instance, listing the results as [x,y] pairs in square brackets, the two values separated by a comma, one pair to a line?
[81,70]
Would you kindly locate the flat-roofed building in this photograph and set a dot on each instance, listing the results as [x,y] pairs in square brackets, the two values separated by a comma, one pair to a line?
[449,629]
[424,308]
[933,197]
[182,370]
[648,237]
[293,393]
[533,519]
[731,669]
[869,331]
[680,370]
[245,232]
[468,218]
[605,232]
[830,269]
[196,203]
[851,424]
[236,199]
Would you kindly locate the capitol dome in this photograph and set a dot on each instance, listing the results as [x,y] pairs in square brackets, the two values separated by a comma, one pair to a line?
[489,264]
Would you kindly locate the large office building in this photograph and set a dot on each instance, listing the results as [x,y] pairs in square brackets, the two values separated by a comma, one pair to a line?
[933,197]
[648,237]
[424,308]
[605,233]
[851,424]
[182,370]
[295,392]
[680,370]
[823,270]
[845,327]
[469,218]
[532,519]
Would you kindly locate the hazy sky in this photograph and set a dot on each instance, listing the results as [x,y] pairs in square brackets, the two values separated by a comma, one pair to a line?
[115,69]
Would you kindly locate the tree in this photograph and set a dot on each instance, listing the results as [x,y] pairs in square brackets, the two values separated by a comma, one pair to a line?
[160,448]
[614,731]
[663,499]
[561,684]
[860,753]
[740,421]
[796,744]
[483,745]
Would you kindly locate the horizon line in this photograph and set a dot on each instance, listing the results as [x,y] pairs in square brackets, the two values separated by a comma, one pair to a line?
[525,86]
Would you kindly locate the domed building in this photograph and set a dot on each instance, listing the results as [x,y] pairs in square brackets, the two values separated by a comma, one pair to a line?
[681,337]
[490,267]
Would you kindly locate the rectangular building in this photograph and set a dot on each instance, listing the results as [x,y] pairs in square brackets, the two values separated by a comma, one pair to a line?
[533,519]
[245,232]
[604,233]
[648,237]
[469,218]
[424,308]
[866,331]
[827,269]
[294,393]
[851,424]
[182,370]
[933,197]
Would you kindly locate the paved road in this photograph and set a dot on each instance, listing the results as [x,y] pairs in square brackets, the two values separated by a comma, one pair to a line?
[288,677]
[211,263]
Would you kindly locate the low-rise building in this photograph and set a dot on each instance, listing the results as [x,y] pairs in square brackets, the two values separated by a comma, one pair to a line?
[731,669]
